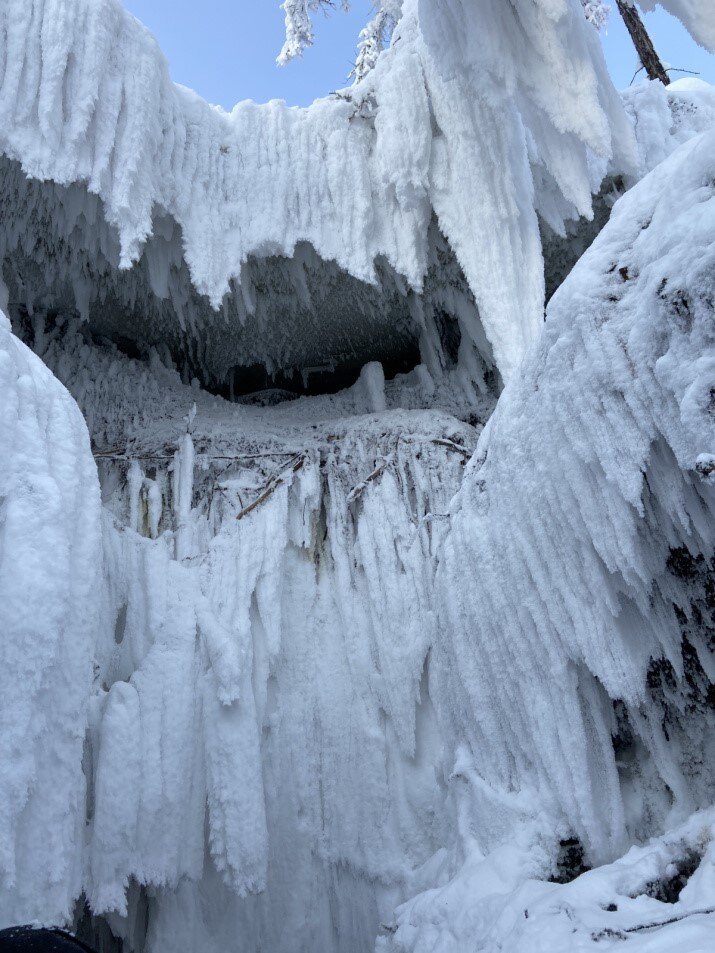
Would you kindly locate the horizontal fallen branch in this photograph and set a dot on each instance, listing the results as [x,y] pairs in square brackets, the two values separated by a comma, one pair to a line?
[231,458]
[451,445]
[620,932]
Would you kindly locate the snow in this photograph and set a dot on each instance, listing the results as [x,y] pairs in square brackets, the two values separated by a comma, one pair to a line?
[379,688]
[664,118]
[697,17]
[367,664]
[497,903]
[49,551]
[262,657]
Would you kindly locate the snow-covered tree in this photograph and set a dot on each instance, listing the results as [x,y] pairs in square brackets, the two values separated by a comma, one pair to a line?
[298,29]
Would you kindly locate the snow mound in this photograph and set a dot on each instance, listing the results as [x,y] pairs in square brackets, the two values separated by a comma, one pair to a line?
[49,557]
[658,898]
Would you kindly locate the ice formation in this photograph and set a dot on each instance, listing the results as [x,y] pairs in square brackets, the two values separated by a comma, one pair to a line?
[697,16]
[49,551]
[389,665]
[581,657]
[454,124]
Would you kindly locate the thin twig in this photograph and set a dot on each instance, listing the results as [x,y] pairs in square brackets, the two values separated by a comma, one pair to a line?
[663,923]
[123,455]
[669,69]
[619,932]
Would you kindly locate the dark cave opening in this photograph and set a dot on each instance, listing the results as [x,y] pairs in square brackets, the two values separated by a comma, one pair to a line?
[256,384]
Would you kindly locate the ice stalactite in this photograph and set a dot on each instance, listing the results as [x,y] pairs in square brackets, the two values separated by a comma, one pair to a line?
[49,613]
[449,120]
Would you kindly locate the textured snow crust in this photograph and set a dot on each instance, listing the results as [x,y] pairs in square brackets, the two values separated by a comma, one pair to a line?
[464,119]
[657,898]
[582,652]
[662,119]
[49,552]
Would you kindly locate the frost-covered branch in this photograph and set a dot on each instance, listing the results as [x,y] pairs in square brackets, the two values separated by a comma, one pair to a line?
[375,36]
[597,12]
[299,26]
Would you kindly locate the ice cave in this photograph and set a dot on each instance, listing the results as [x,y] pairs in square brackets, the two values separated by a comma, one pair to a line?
[357,494]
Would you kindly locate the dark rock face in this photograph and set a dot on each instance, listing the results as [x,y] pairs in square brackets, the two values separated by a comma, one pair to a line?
[25,939]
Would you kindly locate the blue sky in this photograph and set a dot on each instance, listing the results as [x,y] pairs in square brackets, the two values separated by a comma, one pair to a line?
[226,49]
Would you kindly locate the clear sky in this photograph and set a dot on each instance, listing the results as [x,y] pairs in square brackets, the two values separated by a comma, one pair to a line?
[226,49]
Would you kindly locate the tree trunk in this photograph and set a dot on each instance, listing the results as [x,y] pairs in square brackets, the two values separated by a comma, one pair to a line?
[642,42]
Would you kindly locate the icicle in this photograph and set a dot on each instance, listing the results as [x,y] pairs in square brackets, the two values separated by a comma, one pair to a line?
[183,495]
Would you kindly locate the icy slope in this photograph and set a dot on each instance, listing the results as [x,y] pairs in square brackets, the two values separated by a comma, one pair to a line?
[580,655]
[465,118]
[49,557]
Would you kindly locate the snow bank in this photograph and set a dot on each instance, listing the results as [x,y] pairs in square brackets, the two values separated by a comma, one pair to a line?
[665,117]
[466,117]
[49,550]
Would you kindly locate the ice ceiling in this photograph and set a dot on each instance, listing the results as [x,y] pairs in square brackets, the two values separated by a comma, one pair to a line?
[391,220]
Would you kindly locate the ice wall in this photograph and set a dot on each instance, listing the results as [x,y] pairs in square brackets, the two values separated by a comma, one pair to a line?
[590,476]
[580,657]
[264,715]
[49,560]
